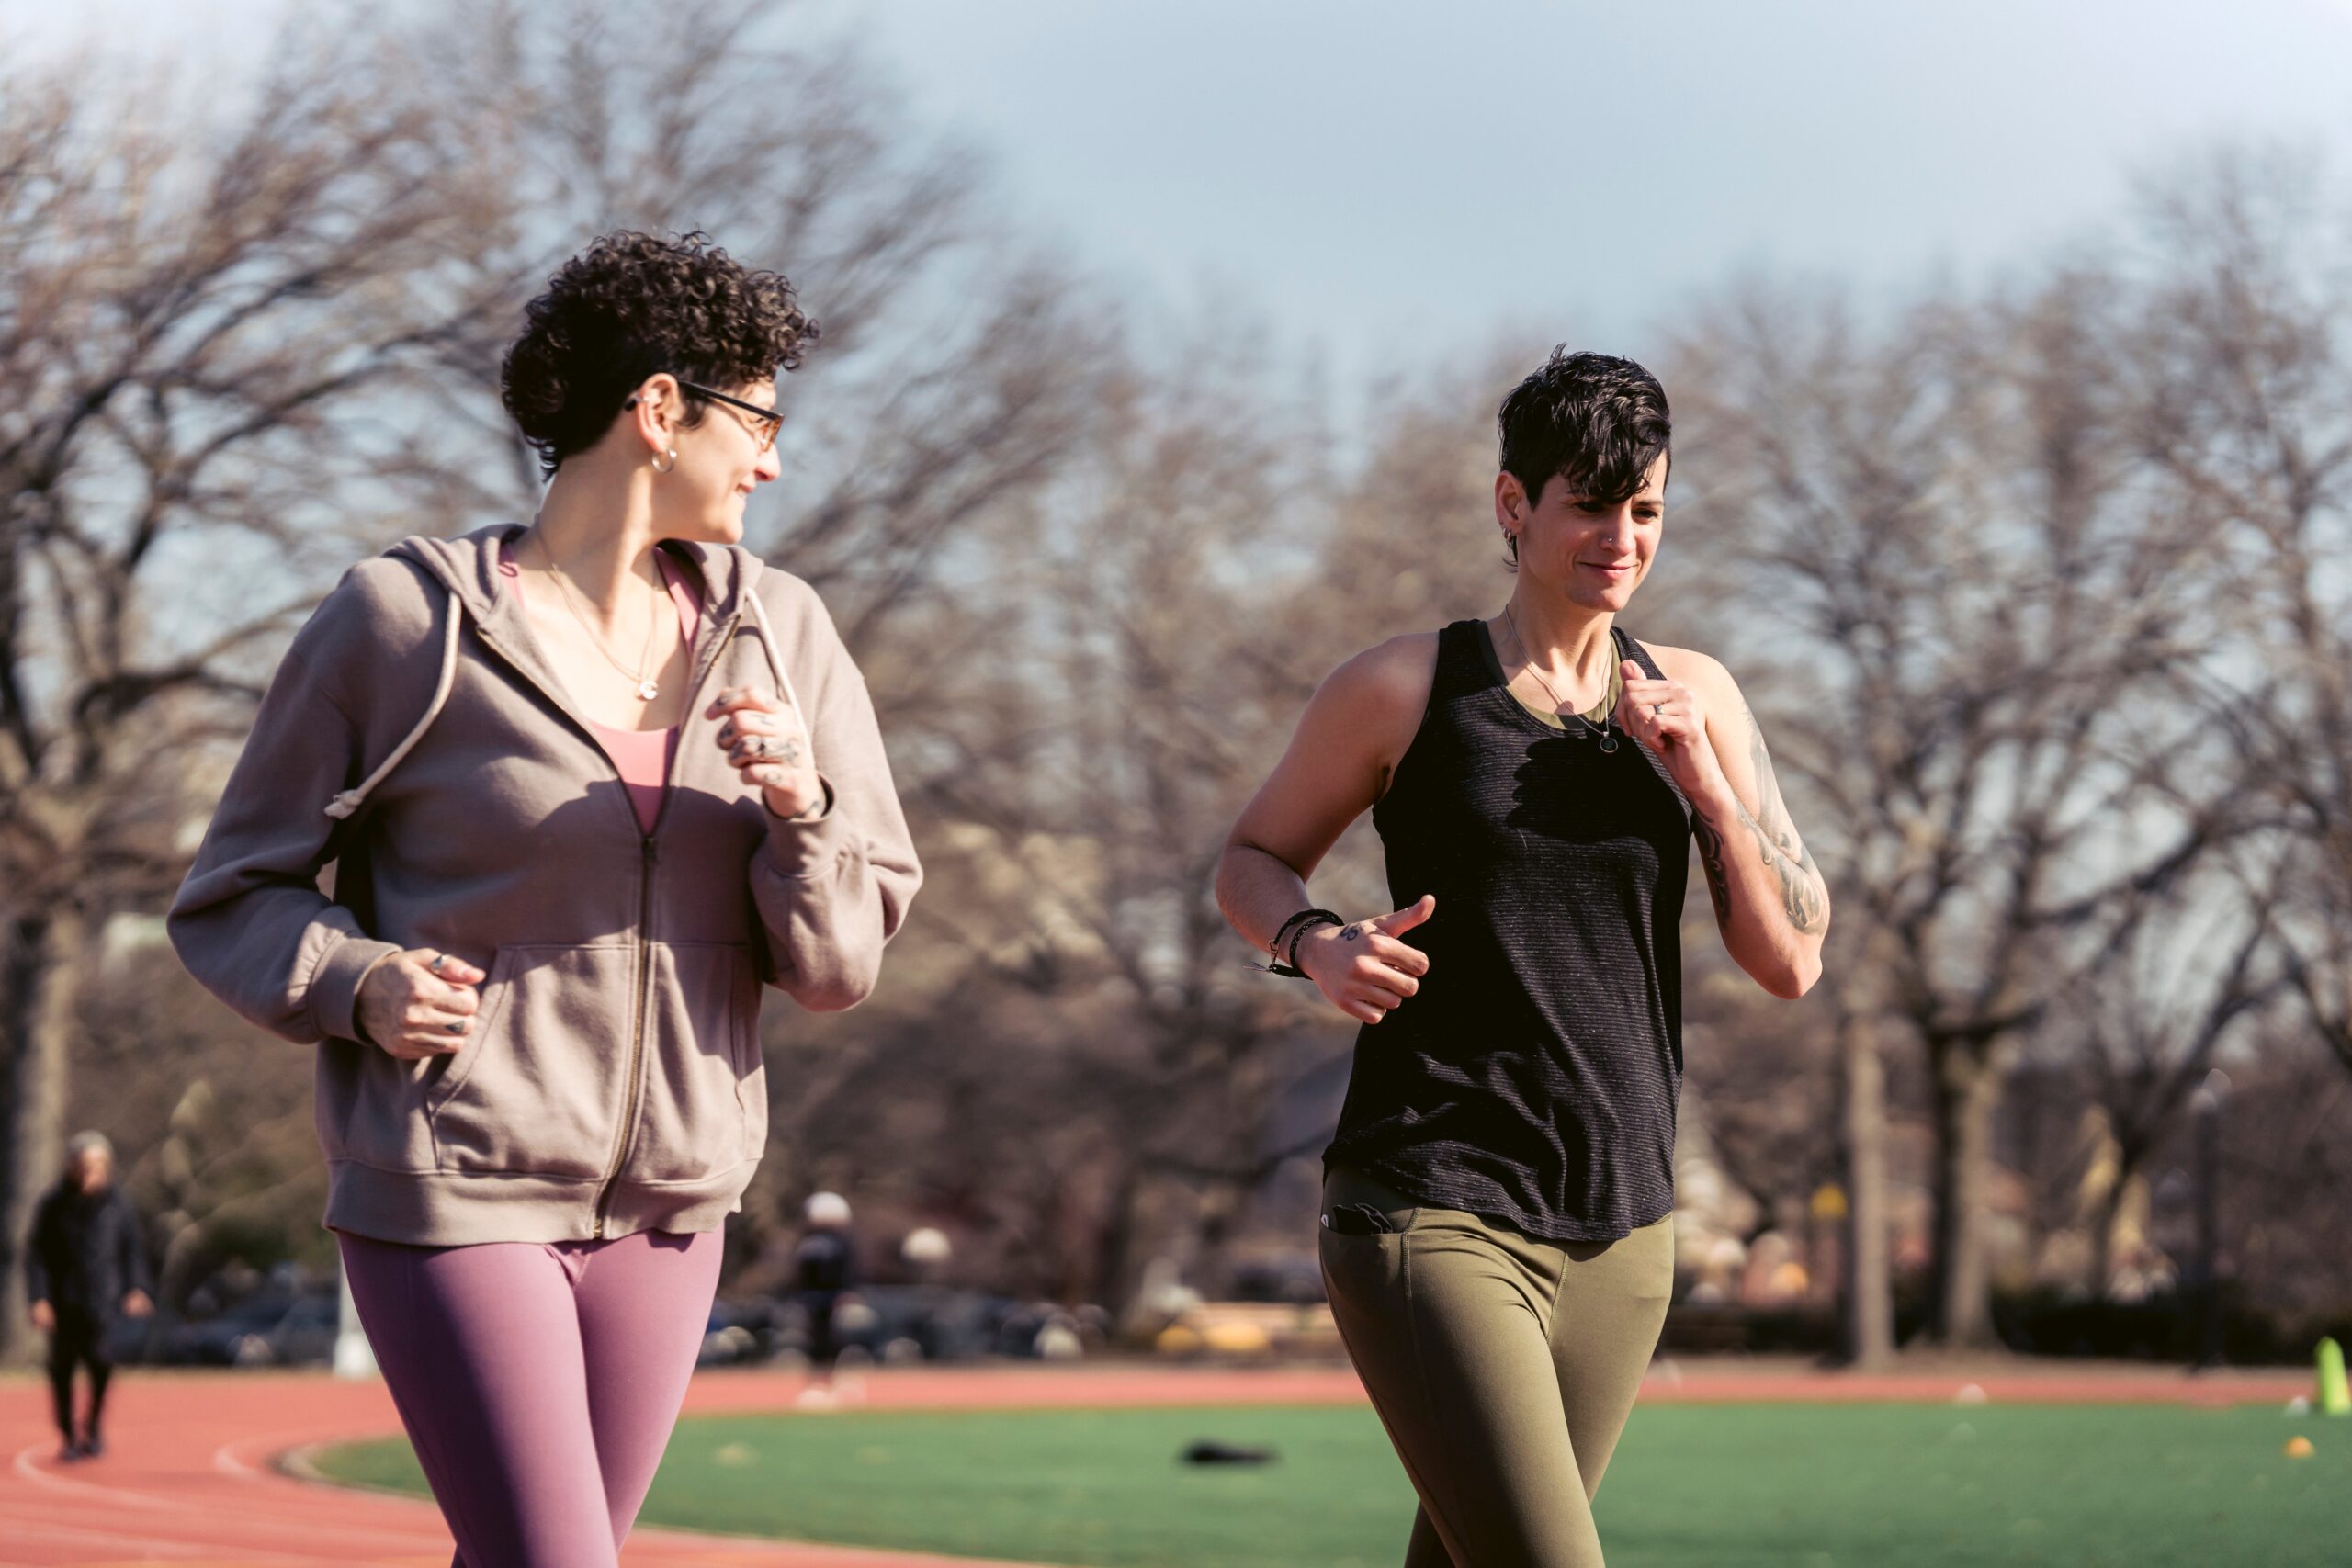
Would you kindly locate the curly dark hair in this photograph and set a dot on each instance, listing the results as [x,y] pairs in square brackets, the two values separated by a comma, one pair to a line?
[632,305]
[1595,422]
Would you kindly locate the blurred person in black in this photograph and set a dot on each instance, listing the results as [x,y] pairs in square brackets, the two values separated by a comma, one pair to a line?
[84,1269]
[824,1269]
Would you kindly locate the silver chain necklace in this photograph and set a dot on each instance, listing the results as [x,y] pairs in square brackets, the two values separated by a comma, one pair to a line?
[1607,735]
[648,688]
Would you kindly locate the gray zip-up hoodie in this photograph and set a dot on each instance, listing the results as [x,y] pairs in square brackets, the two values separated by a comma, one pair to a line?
[415,736]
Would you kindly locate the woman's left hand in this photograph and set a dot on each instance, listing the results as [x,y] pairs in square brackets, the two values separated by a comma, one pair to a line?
[767,742]
[1669,717]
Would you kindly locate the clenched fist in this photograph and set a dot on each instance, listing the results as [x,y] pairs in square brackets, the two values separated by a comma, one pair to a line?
[767,742]
[1362,967]
[1670,719]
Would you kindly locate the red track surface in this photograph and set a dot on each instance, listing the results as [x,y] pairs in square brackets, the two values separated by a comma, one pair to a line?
[190,1475]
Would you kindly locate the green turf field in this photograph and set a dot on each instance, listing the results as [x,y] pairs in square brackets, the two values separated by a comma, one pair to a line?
[1853,1486]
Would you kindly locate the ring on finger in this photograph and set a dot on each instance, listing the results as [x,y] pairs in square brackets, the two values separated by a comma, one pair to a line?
[456,1026]
[438,959]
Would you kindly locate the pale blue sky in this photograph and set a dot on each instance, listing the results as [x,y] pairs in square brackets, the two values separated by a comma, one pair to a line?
[1385,180]
[1380,177]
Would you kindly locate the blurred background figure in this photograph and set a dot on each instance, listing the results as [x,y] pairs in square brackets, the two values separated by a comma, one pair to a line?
[2093,361]
[84,1266]
[824,1270]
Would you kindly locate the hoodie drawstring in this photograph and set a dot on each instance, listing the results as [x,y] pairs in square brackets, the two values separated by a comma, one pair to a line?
[348,801]
[776,660]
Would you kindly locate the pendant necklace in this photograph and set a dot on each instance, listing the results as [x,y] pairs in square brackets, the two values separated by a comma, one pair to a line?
[648,688]
[1607,705]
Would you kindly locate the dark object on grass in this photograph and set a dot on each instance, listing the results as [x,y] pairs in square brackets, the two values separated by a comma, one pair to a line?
[1208,1451]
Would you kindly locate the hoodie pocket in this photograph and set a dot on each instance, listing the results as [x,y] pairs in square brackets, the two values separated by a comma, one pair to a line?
[371,1104]
[539,1085]
[703,1074]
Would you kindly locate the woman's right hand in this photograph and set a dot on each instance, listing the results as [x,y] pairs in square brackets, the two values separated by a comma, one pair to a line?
[1362,967]
[413,1012]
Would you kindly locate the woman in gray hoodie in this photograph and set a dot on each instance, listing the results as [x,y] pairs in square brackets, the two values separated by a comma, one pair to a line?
[587,786]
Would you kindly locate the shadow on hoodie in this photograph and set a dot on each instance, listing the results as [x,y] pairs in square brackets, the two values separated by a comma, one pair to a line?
[415,737]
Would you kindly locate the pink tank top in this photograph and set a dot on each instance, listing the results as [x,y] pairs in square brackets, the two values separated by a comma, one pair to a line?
[641,755]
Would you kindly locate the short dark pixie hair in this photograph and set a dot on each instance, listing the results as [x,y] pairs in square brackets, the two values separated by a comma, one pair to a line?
[1596,421]
[630,306]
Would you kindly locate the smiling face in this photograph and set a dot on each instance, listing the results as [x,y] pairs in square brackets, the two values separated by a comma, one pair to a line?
[722,460]
[1587,443]
[1592,553]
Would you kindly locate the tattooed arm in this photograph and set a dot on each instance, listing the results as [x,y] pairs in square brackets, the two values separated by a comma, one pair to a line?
[1770,901]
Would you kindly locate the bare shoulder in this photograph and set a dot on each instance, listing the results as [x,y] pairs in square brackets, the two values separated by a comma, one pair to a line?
[1702,672]
[1373,705]
[1389,681]
[1360,722]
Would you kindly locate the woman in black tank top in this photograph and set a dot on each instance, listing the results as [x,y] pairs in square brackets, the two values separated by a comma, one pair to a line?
[1496,1234]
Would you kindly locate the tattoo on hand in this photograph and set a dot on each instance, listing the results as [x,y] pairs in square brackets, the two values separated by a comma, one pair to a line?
[1352,933]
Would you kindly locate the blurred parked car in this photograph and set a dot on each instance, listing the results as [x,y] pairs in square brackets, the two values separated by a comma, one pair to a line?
[738,1332]
[903,1322]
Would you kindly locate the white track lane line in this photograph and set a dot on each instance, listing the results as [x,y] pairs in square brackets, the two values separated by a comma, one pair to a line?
[49,1480]
[115,1540]
[326,1538]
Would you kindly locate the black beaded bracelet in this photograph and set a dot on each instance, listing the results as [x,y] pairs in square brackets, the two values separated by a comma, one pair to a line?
[1292,929]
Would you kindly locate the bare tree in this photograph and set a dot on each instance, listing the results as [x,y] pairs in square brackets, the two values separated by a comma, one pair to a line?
[2180,973]
[1946,530]
[1156,630]
[2246,408]
[1763,1073]
[192,336]
[250,345]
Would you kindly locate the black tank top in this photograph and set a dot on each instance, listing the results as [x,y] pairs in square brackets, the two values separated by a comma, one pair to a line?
[1532,1077]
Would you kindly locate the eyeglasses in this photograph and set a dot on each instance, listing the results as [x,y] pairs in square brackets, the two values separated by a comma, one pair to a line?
[766,424]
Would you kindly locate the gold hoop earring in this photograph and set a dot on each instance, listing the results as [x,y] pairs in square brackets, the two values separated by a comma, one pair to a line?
[658,466]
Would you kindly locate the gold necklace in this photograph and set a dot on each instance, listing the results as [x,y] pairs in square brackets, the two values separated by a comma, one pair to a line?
[648,688]
[1608,704]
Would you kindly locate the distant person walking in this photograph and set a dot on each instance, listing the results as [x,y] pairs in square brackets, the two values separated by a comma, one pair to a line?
[824,1271]
[590,784]
[1496,1234]
[84,1270]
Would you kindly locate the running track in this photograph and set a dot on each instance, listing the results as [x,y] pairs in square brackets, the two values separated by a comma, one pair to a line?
[190,1477]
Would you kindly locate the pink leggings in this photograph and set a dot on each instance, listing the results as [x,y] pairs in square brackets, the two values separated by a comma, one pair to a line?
[538,1381]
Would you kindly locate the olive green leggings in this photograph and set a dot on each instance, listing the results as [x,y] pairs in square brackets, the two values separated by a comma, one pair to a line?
[1503,1368]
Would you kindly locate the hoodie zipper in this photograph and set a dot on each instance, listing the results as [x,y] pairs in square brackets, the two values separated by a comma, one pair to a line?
[650,856]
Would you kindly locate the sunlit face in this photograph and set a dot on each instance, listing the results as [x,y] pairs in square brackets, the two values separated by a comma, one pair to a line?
[720,462]
[92,1170]
[1591,553]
